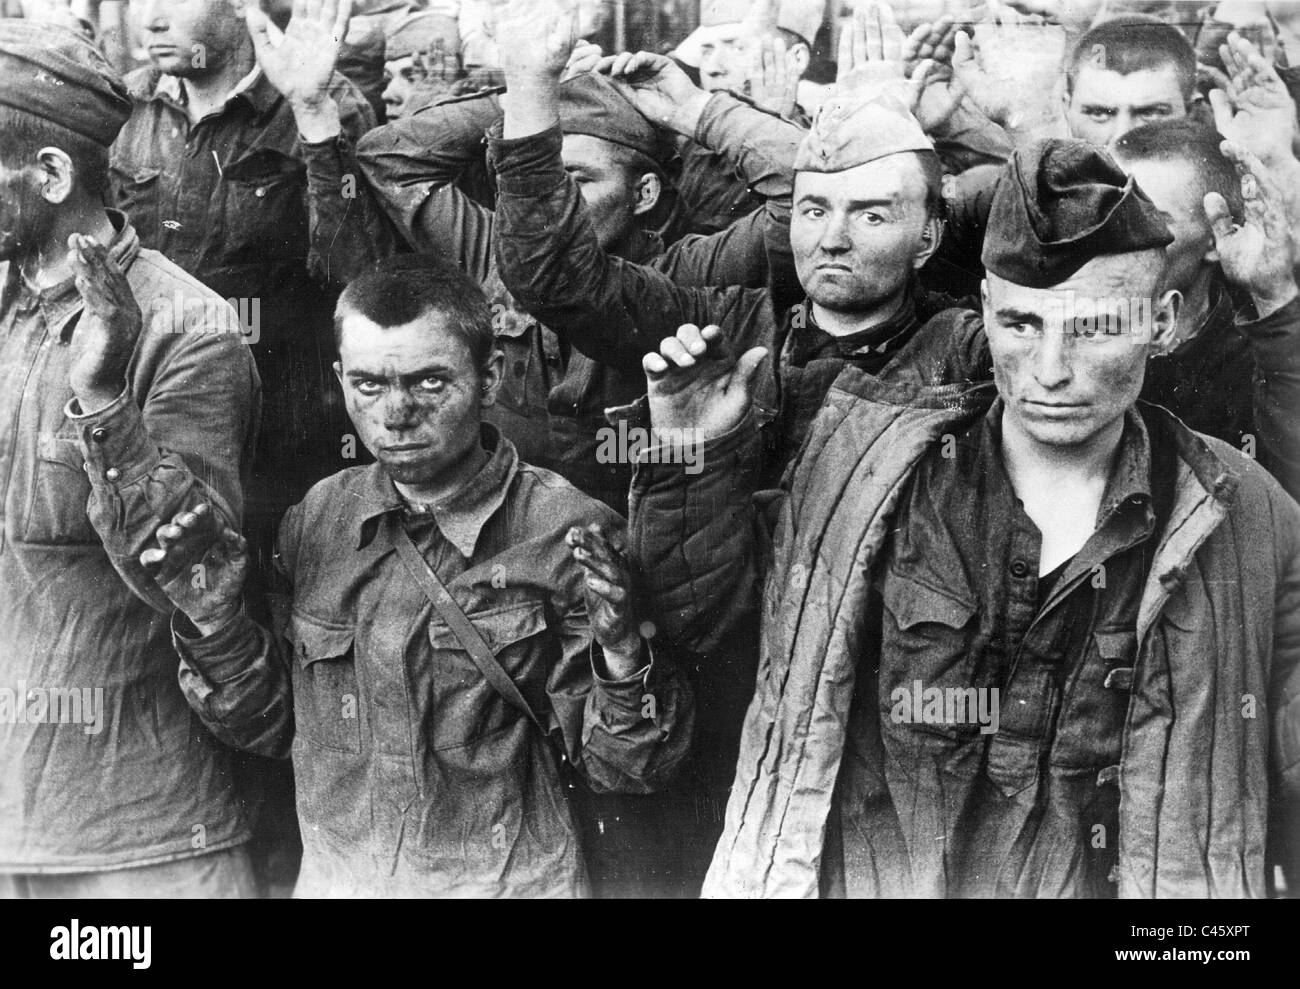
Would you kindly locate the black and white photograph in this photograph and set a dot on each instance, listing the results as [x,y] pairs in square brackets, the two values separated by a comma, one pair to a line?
[650,450]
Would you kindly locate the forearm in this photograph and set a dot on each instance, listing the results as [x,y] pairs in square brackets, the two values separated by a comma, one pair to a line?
[236,680]
[186,447]
[1275,339]
[693,525]
[633,732]
[348,231]
[551,262]
[415,168]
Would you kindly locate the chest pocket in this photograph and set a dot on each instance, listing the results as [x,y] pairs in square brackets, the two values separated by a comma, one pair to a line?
[326,698]
[56,510]
[467,706]
[265,208]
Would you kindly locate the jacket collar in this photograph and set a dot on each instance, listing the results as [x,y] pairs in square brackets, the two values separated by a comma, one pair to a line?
[460,518]
[254,88]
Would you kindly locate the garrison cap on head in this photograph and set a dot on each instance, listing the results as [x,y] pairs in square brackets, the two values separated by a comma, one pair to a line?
[589,104]
[1060,203]
[421,32]
[802,17]
[851,131]
[57,75]
[715,12]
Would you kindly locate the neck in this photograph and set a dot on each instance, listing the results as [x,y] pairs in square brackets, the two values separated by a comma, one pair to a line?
[448,483]
[49,262]
[1195,307]
[841,324]
[1037,466]
[207,92]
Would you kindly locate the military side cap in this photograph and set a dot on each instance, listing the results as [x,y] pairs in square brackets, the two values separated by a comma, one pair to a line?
[802,17]
[57,75]
[715,12]
[1058,204]
[421,32]
[590,104]
[851,131]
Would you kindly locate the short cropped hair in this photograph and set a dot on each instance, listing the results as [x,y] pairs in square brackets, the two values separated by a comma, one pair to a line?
[25,134]
[1131,44]
[402,288]
[1190,141]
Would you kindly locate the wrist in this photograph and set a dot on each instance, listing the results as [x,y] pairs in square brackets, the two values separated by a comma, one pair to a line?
[623,659]
[96,396]
[1268,299]
[317,118]
[685,118]
[210,623]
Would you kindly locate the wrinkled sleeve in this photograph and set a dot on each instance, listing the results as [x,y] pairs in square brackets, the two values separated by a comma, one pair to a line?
[759,147]
[611,310]
[176,438]
[348,230]
[703,538]
[237,680]
[1276,342]
[629,735]
[415,167]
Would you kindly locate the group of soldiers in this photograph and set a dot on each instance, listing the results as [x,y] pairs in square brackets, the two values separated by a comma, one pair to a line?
[956,554]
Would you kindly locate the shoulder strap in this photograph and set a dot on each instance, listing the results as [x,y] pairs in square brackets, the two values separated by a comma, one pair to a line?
[470,637]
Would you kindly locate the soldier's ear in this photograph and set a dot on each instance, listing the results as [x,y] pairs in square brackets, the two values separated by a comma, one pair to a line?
[649,187]
[801,57]
[493,372]
[931,235]
[1164,322]
[57,175]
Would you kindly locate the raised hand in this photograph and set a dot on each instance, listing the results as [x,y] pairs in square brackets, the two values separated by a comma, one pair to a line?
[774,74]
[301,65]
[871,58]
[584,58]
[109,327]
[536,38]
[658,88]
[609,589]
[694,383]
[200,565]
[1257,255]
[1012,68]
[1256,110]
[941,94]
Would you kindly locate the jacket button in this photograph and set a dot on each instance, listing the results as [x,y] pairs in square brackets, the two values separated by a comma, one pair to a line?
[1108,775]
[1113,875]
[1019,569]
[99,434]
[112,474]
[1120,678]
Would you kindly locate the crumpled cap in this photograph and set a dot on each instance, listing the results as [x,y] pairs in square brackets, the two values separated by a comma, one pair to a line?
[57,75]
[850,131]
[421,32]
[591,104]
[1058,204]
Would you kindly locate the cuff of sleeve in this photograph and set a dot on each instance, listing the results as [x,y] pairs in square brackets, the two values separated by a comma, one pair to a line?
[1275,338]
[528,166]
[217,656]
[625,693]
[668,456]
[114,440]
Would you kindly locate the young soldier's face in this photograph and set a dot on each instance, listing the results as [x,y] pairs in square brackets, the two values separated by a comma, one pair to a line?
[724,57]
[857,234]
[190,38]
[1106,105]
[413,393]
[608,187]
[400,77]
[1069,360]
